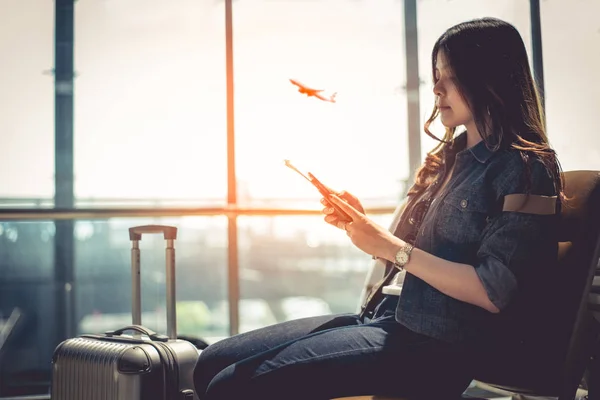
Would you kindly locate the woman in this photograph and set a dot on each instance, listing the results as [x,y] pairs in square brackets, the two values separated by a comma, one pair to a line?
[480,218]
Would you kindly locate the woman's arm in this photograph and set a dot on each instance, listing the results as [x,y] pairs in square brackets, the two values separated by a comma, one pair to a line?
[453,279]
[513,242]
[456,280]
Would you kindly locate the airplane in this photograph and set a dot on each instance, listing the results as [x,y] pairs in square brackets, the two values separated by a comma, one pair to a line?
[313,92]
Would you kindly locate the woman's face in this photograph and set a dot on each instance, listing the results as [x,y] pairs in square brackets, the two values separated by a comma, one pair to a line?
[453,108]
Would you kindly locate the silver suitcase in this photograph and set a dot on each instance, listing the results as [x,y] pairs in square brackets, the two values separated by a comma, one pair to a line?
[142,365]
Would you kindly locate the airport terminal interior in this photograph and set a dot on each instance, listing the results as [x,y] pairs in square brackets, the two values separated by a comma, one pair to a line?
[123,113]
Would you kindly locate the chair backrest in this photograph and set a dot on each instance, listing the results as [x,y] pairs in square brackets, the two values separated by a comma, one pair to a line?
[579,253]
[568,333]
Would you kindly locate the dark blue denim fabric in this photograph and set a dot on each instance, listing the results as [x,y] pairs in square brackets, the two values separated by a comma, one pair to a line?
[321,358]
[465,224]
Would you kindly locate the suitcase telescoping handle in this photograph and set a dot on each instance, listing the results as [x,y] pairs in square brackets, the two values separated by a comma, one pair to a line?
[135,235]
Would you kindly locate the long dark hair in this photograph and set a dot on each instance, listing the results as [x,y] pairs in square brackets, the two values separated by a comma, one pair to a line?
[488,58]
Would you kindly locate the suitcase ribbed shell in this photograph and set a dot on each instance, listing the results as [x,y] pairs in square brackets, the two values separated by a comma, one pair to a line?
[89,369]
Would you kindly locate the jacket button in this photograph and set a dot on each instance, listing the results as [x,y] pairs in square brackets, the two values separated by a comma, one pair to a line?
[463,203]
[411,221]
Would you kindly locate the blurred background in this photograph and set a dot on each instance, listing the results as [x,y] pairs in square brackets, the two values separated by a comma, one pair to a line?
[115,113]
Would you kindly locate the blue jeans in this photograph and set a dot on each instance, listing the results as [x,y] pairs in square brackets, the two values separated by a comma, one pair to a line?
[332,356]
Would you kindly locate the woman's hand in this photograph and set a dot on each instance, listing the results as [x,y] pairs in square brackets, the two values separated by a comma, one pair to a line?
[331,217]
[364,233]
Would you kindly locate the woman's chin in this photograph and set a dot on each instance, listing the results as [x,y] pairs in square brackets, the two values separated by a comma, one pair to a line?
[448,123]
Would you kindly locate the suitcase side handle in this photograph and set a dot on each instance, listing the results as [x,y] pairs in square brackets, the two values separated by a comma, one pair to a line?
[169,232]
[140,329]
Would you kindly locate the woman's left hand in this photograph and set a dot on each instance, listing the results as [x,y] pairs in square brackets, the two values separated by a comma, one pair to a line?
[364,233]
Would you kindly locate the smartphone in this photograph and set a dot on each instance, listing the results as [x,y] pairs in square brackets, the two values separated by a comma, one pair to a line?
[324,190]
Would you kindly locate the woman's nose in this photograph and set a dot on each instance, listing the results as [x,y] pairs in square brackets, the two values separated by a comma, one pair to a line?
[437,89]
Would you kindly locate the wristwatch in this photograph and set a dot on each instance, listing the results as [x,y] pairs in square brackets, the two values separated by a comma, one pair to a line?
[403,255]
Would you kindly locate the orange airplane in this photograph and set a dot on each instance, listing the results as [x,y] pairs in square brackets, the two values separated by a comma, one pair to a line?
[313,92]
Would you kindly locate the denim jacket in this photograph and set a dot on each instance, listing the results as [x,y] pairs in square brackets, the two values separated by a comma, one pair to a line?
[465,223]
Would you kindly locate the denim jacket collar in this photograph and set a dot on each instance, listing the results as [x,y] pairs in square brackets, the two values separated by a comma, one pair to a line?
[480,151]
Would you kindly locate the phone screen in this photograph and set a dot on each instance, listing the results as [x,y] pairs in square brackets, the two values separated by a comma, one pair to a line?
[324,190]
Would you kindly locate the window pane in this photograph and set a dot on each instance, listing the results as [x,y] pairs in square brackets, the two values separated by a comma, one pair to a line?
[103,262]
[150,100]
[292,267]
[27,101]
[27,317]
[571,80]
[359,142]
[27,314]
[103,287]
[434,17]
[27,250]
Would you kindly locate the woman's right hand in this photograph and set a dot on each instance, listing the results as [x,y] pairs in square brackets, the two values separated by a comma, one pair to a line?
[331,215]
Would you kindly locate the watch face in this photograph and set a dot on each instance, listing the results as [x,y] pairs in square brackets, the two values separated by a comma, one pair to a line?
[401,258]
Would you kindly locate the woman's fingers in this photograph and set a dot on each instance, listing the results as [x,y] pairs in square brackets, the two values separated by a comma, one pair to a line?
[348,198]
[328,210]
[331,215]
[331,219]
[352,200]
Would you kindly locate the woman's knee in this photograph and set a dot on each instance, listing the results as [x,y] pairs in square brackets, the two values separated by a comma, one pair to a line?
[210,362]
[222,385]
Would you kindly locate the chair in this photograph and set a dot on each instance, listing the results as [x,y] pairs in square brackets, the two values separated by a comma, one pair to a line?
[569,347]
[557,367]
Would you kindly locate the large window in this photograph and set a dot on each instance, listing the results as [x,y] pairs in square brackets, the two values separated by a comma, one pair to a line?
[293,267]
[27,102]
[104,283]
[571,57]
[354,48]
[150,101]
[26,180]
[102,287]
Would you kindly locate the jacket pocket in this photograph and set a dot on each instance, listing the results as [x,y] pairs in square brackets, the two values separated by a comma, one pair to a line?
[463,216]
